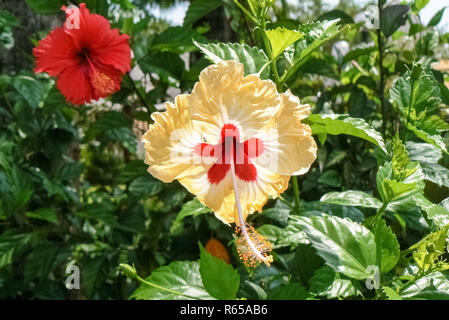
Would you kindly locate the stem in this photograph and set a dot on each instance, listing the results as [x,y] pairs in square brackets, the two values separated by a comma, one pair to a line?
[266,42]
[248,14]
[296,192]
[141,98]
[164,289]
[378,214]
[381,72]
[241,219]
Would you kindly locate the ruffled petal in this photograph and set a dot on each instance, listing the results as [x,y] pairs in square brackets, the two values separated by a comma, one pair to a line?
[170,143]
[79,84]
[223,96]
[55,53]
[105,45]
[74,84]
[289,147]
[221,199]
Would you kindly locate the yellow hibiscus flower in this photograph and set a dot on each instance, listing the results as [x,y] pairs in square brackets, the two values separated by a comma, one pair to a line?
[233,142]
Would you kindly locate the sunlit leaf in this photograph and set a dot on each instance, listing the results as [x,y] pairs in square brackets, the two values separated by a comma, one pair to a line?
[281,38]
[346,246]
[220,279]
[352,198]
[336,124]
[182,278]
[252,58]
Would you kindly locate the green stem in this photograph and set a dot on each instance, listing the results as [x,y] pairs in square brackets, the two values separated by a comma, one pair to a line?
[296,192]
[378,214]
[141,98]
[246,12]
[381,72]
[164,289]
[266,42]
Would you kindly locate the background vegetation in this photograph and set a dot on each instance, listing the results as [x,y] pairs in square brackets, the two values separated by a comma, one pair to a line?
[74,188]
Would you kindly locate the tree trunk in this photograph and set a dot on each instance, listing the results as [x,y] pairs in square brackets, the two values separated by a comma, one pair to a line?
[21,55]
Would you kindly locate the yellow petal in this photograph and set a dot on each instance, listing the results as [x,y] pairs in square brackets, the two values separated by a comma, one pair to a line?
[221,199]
[169,142]
[223,96]
[289,146]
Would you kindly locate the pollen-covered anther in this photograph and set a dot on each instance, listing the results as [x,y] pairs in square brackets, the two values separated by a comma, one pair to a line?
[247,252]
[102,83]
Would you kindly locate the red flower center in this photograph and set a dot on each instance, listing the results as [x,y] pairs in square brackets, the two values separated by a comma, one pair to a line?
[101,82]
[231,149]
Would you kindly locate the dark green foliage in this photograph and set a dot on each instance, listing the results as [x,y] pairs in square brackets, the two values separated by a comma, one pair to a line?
[74,189]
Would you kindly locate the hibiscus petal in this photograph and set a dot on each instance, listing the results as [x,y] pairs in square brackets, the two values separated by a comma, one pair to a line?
[220,197]
[289,146]
[55,53]
[74,84]
[170,142]
[105,45]
[224,96]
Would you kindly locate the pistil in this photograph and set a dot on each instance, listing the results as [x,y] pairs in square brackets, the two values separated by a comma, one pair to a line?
[256,252]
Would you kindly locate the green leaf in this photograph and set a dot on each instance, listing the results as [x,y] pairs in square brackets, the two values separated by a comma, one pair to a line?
[15,244]
[41,261]
[388,245]
[392,18]
[281,38]
[423,152]
[341,16]
[166,64]
[352,198]
[46,214]
[421,95]
[220,279]
[437,213]
[325,282]
[200,8]
[145,187]
[306,262]
[278,214]
[418,5]
[252,58]
[182,278]
[315,35]
[433,286]
[46,6]
[391,294]
[110,120]
[176,39]
[392,190]
[428,249]
[103,212]
[336,124]
[133,170]
[7,19]
[6,254]
[400,164]
[432,138]
[346,246]
[192,208]
[436,19]
[331,178]
[359,52]
[92,274]
[436,173]
[291,291]
[282,237]
[30,89]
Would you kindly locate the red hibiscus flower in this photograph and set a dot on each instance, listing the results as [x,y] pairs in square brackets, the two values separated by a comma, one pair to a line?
[88,58]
